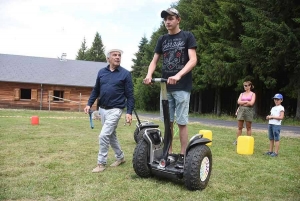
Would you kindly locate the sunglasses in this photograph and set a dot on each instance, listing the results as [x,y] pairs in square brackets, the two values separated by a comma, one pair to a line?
[246,85]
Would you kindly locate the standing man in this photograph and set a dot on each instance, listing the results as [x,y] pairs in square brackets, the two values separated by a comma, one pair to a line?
[178,50]
[115,91]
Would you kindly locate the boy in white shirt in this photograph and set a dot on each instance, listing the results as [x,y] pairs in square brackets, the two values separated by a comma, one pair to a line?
[275,118]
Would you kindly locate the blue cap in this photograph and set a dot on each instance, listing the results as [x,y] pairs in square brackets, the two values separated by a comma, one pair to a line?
[278,96]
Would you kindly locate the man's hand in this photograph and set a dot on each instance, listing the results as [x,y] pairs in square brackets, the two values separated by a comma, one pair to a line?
[128,119]
[86,109]
[173,79]
[147,80]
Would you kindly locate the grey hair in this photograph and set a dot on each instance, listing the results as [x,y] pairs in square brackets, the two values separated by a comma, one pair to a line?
[113,50]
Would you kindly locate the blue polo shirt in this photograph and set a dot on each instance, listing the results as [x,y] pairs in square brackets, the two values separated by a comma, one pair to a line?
[114,89]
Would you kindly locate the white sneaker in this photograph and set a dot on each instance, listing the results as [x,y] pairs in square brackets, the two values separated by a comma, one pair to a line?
[99,168]
[118,162]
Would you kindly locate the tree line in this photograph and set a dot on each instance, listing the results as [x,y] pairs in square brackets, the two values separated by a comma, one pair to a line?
[237,40]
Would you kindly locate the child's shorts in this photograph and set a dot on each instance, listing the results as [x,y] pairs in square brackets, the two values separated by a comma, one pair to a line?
[274,132]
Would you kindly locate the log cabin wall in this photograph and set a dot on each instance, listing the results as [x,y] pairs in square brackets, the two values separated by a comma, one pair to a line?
[28,96]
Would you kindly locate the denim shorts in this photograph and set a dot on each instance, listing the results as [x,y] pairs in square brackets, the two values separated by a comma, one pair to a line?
[179,102]
[274,132]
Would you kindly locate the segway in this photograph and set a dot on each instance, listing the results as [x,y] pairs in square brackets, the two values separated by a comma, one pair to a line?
[150,157]
[141,126]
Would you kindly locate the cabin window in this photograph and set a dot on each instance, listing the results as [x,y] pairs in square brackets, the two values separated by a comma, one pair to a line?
[58,95]
[25,94]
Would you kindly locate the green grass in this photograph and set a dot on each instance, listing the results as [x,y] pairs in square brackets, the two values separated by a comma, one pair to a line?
[53,161]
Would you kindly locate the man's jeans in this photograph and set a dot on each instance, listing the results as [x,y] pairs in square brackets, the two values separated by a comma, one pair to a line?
[108,136]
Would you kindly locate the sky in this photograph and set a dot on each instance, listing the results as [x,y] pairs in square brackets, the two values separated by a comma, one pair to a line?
[48,28]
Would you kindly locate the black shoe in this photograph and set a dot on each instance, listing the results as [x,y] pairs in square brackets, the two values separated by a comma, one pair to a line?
[274,154]
[268,153]
[172,158]
[180,161]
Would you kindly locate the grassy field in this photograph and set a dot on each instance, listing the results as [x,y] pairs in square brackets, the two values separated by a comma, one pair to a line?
[53,161]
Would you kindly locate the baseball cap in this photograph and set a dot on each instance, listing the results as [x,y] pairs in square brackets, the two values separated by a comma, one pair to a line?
[114,50]
[169,11]
[278,96]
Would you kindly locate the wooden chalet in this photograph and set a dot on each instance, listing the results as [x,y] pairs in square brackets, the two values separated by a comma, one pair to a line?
[46,83]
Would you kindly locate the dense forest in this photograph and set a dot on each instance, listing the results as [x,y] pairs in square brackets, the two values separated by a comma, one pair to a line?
[237,40]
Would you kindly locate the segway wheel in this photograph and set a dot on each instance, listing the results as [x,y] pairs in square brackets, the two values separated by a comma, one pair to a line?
[136,132]
[139,135]
[140,159]
[197,168]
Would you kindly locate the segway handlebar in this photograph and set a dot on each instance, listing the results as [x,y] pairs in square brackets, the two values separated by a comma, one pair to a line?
[159,80]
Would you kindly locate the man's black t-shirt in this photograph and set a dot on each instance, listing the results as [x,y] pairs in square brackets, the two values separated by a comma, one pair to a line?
[174,49]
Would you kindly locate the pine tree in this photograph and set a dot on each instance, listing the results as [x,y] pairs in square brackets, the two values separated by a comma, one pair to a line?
[96,52]
[216,28]
[145,96]
[139,66]
[81,55]
[271,46]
